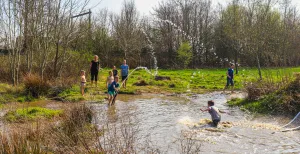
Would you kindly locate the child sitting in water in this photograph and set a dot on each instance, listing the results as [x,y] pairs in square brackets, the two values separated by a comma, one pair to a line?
[83,81]
[113,87]
[214,112]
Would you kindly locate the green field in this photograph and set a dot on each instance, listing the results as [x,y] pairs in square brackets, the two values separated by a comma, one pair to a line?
[181,81]
[198,80]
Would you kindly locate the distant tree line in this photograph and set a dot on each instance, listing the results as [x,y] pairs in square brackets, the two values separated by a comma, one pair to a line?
[42,38]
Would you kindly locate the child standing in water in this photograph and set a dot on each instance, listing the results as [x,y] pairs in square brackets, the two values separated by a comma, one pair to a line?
[116,86]
[113,87]
[214,112]
[109,80]
[83,81]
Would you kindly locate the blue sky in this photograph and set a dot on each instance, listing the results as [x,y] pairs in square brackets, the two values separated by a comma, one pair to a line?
[145,6]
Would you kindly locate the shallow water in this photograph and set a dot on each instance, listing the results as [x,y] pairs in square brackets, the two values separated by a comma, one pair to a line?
[163,120]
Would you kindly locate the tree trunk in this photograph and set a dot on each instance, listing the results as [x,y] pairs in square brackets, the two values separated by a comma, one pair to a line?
[235,62]
[56,60]
[258,67]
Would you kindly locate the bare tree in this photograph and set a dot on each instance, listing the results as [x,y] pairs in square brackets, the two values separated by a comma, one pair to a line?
[12,25]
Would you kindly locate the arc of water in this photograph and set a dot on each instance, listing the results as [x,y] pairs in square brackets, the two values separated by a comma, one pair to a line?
[140,67]
[176,27]
[292,129]
[152,51]
[291,120]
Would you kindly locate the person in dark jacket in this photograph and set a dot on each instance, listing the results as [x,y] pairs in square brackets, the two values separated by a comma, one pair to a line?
[115,71]
[95,68]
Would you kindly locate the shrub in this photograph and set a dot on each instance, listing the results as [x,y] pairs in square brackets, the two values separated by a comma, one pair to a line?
[260,88]
[36,86]
[282,101]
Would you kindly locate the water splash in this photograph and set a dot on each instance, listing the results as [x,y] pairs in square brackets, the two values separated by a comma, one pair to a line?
[186,120]
[190,38]
[138,68]
[150,44]
[152,51]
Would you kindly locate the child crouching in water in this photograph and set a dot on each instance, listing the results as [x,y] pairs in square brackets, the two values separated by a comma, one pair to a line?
[112,89]
[214,112]
[83,81]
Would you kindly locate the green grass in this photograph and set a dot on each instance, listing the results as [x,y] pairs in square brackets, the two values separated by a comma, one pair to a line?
[10,93]
[195,80]
[73,94]
[270,104]
[199,80]
[31,113]
[252,106]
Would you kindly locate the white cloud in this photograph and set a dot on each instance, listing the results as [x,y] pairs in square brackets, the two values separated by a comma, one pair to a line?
[145,6]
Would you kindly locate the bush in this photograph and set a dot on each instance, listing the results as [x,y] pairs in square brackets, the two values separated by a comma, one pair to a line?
[281,101]
[36,86]
[260,88]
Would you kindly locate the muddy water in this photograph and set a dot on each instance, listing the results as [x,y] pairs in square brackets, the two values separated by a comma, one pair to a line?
[163,119]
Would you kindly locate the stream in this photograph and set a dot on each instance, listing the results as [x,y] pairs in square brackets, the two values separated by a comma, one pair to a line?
[163,119]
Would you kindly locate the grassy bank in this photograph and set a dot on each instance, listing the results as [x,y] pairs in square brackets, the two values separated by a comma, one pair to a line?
[9,93]
[285,100]
[31,113]
[181,81]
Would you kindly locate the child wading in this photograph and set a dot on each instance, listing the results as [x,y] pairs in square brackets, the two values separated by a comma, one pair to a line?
[109,81]
[83,81]
[214,112]
[229,75]
[112,89]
